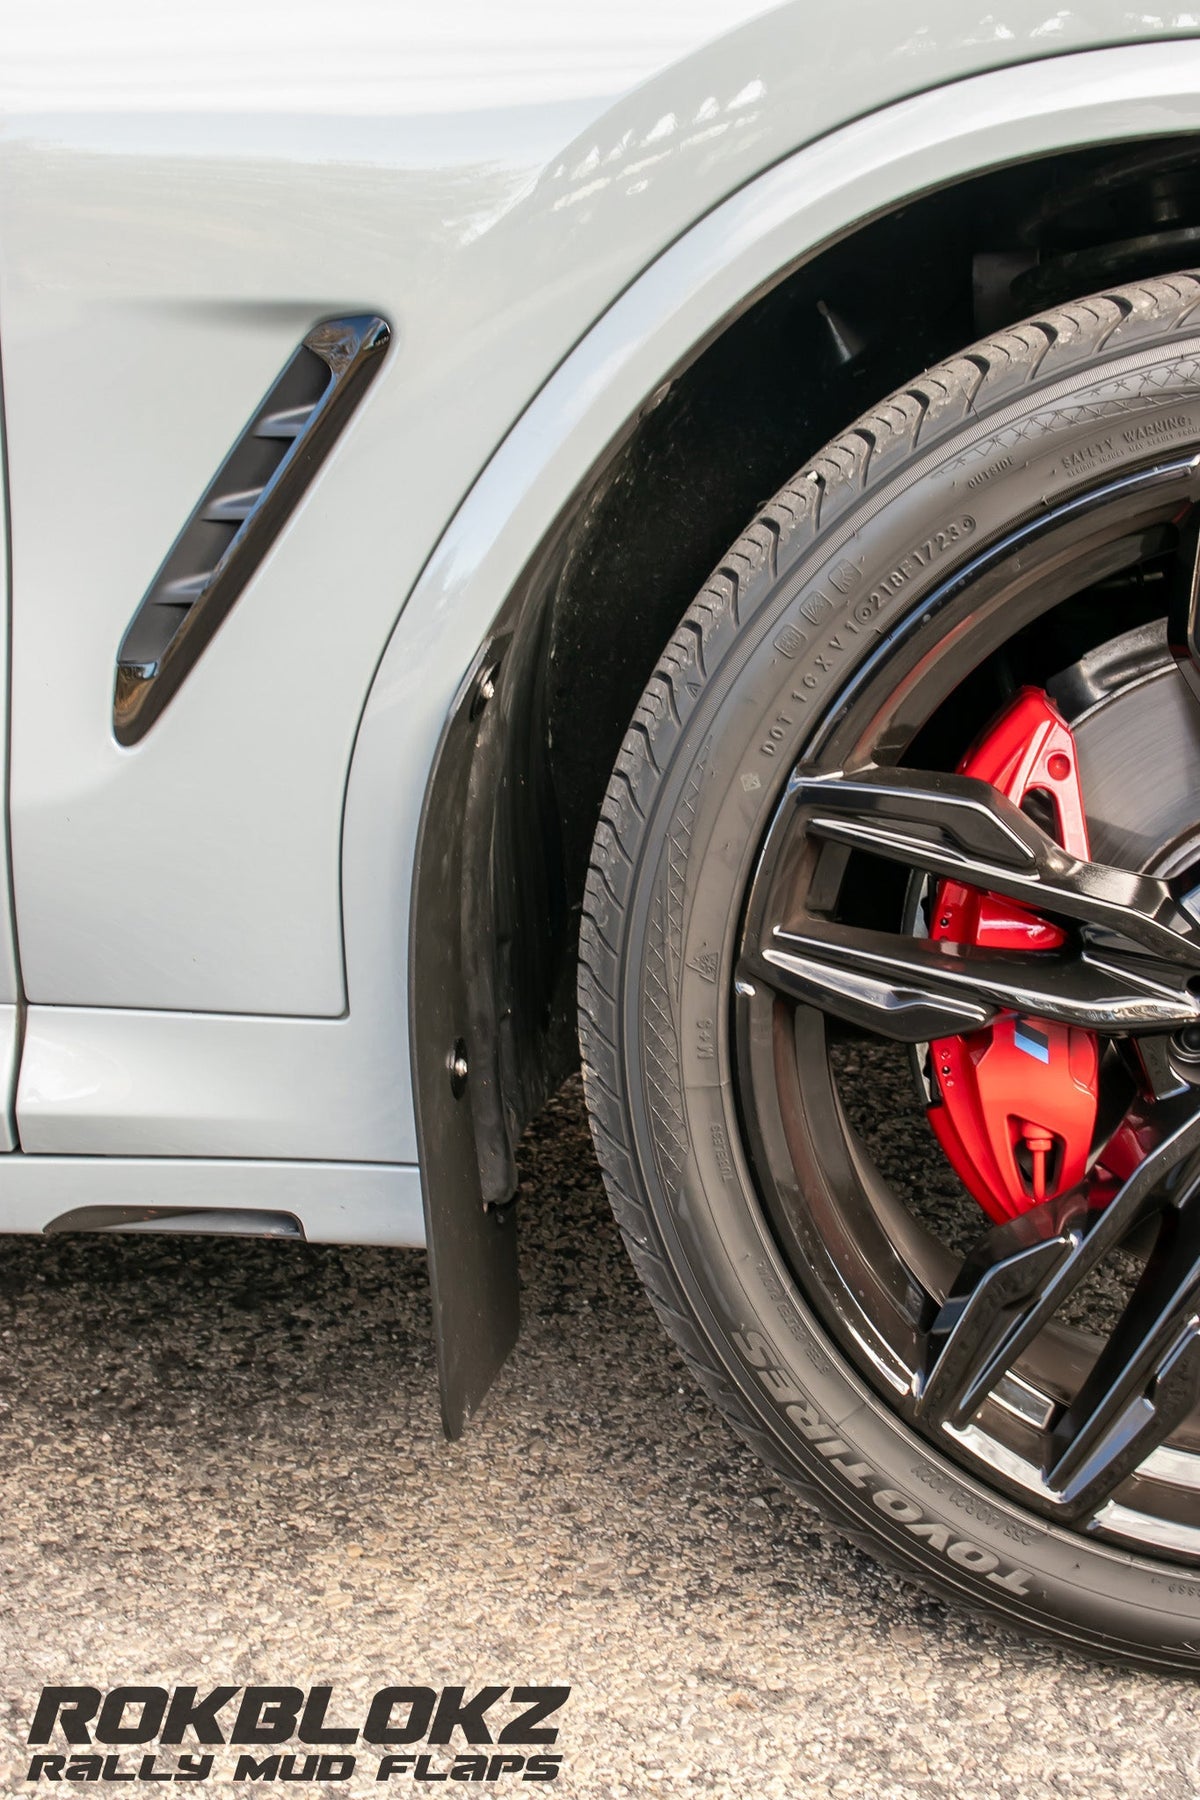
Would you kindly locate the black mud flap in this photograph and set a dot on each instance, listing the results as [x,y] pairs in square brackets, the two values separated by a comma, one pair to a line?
[472,1238]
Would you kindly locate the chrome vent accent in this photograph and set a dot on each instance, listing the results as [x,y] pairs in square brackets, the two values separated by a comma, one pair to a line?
[244,509]
[216,1221]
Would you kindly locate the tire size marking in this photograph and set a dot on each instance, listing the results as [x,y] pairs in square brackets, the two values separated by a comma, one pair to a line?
[894,1505]
[971,1504]
[920,557]
[721,1155]
[790,640]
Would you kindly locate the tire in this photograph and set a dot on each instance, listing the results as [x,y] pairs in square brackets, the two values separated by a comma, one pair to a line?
[845,554]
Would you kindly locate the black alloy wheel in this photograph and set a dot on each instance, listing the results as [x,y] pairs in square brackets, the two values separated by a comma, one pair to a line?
[1009,1406]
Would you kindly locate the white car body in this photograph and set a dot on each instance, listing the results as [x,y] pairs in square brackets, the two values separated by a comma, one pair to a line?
[205,958]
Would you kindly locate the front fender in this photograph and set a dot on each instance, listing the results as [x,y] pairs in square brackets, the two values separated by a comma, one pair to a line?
[470,595]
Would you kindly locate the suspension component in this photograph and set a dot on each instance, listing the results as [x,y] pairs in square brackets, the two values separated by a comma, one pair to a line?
[1016,1103]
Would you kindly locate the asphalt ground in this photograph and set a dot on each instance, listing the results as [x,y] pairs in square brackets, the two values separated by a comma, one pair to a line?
[221,1462]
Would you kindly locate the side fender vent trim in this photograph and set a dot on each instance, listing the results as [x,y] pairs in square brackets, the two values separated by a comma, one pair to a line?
[210,1221]
[241,513]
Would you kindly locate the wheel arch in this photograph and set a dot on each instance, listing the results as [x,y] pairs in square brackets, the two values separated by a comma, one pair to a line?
[514,613]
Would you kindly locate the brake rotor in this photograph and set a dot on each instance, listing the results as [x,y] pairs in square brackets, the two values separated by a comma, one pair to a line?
[1137,733]
[1103,760]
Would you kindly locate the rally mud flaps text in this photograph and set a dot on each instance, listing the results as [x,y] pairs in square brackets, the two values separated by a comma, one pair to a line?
[418,1733]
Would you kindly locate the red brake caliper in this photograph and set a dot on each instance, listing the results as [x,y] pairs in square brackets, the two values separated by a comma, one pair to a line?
[1018,1101]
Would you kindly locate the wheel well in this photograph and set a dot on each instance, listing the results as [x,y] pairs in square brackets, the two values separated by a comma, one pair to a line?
[582,631]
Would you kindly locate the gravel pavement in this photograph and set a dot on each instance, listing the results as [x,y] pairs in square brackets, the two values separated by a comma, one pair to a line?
[221,1461]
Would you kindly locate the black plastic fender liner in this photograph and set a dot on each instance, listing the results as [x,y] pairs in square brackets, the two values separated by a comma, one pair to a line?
[472,1244]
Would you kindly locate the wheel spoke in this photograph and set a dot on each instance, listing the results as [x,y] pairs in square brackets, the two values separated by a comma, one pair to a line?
[1006,1292]
[914,989]
[963,830]
[1146,1379]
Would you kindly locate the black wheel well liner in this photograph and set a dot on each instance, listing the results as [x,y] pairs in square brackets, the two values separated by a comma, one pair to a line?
[531,738]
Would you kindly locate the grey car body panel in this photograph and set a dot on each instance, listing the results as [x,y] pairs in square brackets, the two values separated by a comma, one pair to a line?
[332,1203]
[212,926]
[10,987]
